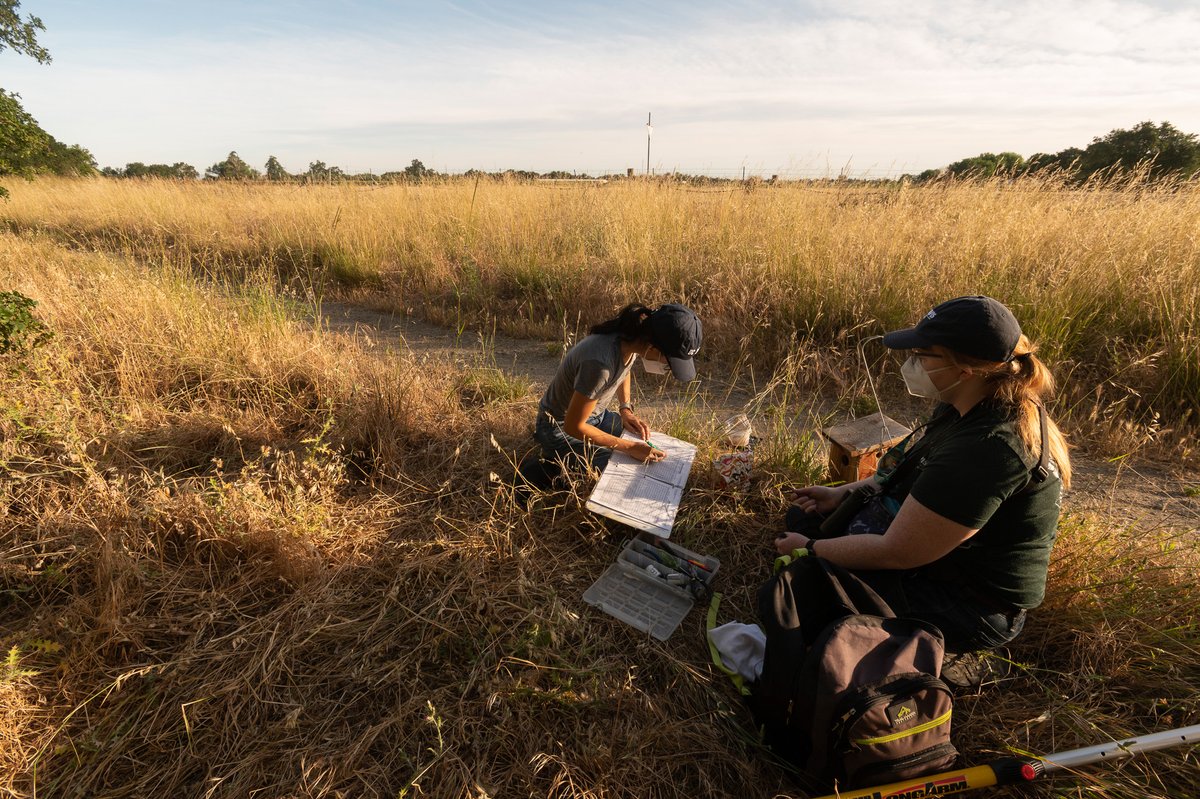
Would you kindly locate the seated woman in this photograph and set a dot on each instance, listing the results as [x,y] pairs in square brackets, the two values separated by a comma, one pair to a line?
[574,425]
[967,507]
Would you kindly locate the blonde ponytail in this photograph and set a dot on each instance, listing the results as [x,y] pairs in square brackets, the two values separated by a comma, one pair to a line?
[1024,383]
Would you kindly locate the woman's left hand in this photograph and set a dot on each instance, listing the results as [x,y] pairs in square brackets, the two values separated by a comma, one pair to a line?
[788,543]
[634,425]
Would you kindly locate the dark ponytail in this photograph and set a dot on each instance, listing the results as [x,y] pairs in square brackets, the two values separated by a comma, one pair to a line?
[633,323]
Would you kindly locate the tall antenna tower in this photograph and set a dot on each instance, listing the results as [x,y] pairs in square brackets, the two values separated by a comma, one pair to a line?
[649,130]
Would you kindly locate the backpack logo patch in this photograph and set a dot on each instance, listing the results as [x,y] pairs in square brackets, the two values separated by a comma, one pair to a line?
[899,715]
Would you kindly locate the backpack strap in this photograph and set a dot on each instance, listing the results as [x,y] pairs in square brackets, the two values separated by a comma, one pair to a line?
[853,593]
[737,679]
[909,459]
[783,561]
[1041,472]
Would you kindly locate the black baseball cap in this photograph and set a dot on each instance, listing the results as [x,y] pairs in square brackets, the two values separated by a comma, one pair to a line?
[677,334]
[977,326]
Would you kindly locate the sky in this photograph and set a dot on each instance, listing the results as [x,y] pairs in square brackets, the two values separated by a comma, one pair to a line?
[805,88]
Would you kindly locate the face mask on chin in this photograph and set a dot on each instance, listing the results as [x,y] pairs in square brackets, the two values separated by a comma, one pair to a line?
[918,381]
[654,367]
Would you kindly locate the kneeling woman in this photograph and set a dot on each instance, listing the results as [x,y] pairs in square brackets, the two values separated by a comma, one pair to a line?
[574,425]
[967,506]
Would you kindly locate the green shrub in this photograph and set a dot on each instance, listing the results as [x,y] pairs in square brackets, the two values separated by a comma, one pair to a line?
[20,330]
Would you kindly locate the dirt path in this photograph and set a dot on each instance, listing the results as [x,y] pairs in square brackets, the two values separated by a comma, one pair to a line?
[1137,494]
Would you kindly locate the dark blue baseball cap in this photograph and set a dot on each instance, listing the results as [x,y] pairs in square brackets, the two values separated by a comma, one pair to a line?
[676,332]
[977,326]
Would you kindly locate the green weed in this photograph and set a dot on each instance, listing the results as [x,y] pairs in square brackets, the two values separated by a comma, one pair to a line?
[20,330]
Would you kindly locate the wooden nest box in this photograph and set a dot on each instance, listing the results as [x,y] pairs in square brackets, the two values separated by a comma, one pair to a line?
[856,446]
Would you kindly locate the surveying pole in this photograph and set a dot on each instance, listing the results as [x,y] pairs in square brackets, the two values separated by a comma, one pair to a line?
[1013,770]
[649,130]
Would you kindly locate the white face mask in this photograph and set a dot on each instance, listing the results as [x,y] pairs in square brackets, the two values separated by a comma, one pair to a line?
[655,367]
[918,381]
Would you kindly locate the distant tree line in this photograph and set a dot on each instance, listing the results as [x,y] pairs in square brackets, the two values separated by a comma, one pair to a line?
[1162,150]
[177,170]
[235,168]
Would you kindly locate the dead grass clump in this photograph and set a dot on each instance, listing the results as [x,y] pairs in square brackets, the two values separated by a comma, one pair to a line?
[1112,653]
[22,721]
[1125,593]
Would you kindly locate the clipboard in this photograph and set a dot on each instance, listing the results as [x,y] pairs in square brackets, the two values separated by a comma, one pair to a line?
[644,496]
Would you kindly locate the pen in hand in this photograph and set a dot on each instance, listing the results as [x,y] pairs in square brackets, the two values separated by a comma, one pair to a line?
[656,453]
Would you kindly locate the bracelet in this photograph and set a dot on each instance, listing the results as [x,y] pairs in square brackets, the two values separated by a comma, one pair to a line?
[811,548]
[625,405]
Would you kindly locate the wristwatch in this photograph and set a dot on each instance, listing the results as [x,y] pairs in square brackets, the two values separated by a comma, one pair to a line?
[625,405]
[811,547]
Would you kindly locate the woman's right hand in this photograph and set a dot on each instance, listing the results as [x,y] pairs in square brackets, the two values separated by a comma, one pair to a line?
[645,453]
[818,499]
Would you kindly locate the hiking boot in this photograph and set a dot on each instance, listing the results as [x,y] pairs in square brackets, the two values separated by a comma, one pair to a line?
[975,669]
[534,476]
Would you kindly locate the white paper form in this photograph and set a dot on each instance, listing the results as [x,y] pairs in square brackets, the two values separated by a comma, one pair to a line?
[644,495]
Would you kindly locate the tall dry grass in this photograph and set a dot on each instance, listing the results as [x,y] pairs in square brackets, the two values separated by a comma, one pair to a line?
[1106,277]
[240,555]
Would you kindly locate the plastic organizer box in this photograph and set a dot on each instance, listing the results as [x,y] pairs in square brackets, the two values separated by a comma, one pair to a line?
[652,586]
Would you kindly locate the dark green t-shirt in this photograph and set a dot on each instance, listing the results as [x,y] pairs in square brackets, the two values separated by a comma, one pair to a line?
[974,470]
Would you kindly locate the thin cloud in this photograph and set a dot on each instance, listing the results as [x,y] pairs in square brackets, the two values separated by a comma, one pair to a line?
[875,82]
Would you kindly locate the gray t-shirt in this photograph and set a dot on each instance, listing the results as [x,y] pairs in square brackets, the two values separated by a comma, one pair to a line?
[593,367]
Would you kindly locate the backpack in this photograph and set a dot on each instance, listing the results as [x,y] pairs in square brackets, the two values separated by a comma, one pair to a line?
[849,693]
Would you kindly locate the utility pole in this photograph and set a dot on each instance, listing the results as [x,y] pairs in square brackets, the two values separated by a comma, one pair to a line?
[649,130]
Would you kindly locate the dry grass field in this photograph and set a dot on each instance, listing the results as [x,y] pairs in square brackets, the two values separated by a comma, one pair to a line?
[243,556]
[1106,278]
